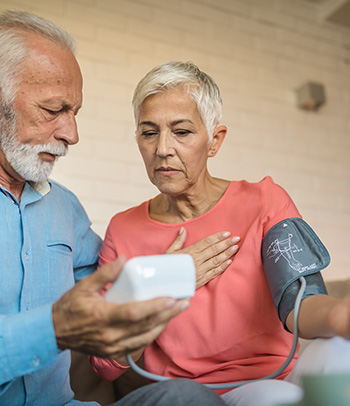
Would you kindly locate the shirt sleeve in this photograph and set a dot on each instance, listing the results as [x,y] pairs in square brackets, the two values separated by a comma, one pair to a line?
[27,338]
[278,205]
[27,343]
[87,242]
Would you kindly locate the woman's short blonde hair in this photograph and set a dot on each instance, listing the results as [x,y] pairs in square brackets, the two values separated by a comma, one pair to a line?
[199,85]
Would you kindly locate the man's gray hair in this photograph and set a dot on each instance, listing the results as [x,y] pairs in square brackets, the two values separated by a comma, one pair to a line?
[14,47]
[199,85]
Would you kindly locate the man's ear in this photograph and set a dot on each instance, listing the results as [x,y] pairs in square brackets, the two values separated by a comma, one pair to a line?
[219,135]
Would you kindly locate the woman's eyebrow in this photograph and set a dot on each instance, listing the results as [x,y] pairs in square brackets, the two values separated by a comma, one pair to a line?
[175,122]
[180,121]
[150,123]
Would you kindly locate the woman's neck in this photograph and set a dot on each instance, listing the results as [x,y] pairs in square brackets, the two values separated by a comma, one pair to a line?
[192,204]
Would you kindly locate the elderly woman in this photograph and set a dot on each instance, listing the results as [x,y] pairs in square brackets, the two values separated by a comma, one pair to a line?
[232,331]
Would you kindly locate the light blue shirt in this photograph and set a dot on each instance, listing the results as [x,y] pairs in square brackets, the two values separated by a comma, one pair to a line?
[46,245]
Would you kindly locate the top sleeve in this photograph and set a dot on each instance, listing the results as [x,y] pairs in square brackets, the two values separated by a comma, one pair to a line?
[107,369]
[108,253]
[278,205]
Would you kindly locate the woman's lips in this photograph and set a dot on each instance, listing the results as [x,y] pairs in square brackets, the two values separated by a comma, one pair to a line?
[167,171]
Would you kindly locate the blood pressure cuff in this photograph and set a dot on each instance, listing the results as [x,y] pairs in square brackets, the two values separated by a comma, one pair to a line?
[290,250]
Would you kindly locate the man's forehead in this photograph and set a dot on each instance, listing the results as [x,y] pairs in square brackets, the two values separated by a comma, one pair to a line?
[58,87]
[55,67]
[47,54]
[39,67]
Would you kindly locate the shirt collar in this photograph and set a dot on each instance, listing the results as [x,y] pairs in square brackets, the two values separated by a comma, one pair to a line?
[41,187]
[32,191]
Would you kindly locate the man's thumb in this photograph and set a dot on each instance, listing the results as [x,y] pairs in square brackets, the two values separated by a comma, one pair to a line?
[107,274]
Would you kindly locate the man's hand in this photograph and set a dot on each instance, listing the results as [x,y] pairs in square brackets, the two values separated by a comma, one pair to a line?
[211,255]
[84,321]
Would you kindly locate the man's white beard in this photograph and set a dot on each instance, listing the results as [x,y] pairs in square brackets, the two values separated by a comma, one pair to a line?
[24,158]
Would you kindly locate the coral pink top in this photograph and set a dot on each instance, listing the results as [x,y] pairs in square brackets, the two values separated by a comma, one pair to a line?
[231,331]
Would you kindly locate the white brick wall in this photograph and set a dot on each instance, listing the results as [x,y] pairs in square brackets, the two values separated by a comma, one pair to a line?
[259,52]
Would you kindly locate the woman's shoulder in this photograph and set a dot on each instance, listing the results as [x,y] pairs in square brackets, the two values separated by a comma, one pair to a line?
[264,192]
[267,183]
[131,214]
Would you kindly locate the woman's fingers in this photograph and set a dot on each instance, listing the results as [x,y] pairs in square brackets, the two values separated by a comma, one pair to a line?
[212,255]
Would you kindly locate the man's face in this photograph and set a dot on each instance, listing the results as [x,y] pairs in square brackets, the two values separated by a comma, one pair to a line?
[48,97]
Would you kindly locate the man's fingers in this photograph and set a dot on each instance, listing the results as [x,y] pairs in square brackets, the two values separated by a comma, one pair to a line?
[131,331]
[105,275]
[164,307]
[132,344]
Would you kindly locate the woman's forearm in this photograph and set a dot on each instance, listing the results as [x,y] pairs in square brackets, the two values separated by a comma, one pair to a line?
[314,317]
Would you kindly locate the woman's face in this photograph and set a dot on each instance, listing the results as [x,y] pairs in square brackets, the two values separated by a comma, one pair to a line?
[173,141]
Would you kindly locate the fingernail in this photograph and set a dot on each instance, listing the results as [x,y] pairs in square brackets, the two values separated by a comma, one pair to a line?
[170,302]
[181,230]
[226,233]
[229,262]
[235,239]
[185,304]
[234,248]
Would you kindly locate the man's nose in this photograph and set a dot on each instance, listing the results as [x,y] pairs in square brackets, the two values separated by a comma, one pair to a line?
[68,130]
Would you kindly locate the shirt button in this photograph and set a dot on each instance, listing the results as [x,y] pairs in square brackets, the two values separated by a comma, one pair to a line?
[26,256]
[36,362]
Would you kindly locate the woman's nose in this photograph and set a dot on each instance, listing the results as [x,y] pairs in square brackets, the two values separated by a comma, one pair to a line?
[165,145]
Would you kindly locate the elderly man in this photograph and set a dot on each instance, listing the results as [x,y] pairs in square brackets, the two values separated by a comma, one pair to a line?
[46,240]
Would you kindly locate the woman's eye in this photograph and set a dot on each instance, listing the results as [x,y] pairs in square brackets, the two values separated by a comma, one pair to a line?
[182,133]
[148,134]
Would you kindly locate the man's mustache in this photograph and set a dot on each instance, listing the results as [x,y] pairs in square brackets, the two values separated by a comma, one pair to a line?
[59,148]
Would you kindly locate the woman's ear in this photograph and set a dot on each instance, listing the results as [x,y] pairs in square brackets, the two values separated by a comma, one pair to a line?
[217,140]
